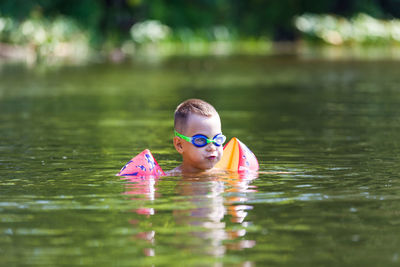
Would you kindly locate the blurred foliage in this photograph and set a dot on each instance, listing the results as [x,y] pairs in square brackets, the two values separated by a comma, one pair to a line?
[361,29]
[128,24]
[43,38]
[112,19]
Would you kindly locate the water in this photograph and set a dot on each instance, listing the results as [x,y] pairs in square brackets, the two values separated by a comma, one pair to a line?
[66,131]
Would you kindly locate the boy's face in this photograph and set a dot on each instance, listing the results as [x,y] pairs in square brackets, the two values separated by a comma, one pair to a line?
[200,158]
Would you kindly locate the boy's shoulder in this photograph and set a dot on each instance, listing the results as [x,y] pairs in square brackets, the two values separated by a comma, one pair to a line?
[174,172]
[178,171]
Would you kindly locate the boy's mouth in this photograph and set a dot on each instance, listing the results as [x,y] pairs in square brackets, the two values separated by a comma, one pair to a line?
[212,157]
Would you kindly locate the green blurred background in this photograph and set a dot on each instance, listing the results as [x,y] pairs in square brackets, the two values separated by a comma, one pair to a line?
[118,29]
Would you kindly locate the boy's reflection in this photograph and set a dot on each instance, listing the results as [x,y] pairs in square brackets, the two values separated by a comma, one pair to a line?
[143,190]
[212,200]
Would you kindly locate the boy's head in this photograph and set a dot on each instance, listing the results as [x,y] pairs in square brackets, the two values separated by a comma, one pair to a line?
[190,107]
[195,117]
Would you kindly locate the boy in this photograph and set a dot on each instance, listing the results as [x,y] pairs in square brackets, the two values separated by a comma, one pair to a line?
[198,137]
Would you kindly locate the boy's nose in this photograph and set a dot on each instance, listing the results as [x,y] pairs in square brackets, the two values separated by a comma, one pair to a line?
[211,146]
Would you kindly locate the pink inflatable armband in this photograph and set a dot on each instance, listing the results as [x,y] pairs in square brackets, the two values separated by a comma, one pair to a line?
[237,157]
[143,164]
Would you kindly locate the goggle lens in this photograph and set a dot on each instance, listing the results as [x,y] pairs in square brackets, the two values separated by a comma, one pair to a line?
[199,141]
[219,139]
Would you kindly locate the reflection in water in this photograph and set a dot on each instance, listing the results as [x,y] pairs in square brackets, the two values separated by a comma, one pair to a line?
[215,214]
[143,188]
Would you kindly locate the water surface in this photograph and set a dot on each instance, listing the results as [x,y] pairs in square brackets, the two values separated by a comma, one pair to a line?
[66,131]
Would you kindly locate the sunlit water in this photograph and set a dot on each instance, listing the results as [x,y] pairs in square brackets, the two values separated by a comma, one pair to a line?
[65,132]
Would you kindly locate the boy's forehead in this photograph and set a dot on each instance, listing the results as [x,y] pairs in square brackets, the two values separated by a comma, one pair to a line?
[197,122]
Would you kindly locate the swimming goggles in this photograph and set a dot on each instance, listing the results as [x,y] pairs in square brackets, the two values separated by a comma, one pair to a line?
[200,140]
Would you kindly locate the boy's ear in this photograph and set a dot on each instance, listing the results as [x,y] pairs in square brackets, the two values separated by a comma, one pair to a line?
[178,144]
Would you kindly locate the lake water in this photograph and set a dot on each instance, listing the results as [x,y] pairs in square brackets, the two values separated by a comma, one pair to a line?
[334,124]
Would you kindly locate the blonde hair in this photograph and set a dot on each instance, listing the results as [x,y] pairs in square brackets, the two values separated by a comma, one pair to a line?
[191,106]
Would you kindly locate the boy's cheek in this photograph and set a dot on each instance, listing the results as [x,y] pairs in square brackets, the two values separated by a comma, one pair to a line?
[190,150]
